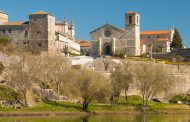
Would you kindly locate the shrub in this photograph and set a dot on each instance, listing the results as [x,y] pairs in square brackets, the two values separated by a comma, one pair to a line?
[77,67]
[74,54]
[135,97]
[4,40]
[134,100]
[181,97]
[121,55]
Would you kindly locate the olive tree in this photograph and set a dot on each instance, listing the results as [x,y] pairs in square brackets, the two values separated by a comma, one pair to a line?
[90,86]
[151,79]
[121,79]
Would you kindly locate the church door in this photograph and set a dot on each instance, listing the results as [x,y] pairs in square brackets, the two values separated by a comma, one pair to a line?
[108,50]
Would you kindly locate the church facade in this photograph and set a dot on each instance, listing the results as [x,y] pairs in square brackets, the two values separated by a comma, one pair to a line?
[41,33]
[110,40]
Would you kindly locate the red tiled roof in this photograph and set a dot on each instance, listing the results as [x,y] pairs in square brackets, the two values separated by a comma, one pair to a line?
[156,32]
[13,23]
[82,41]
[85,43]
[131,12]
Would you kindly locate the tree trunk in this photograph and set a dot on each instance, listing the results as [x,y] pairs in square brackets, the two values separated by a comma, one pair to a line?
[126,97]
[42,94]
[85,105]
[58,89]
[25,100]
[143,99]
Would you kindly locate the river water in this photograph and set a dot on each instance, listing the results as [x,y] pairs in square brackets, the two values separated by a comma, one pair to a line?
[104,118]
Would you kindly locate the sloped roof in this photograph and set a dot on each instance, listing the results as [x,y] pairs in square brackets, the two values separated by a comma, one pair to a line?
[3,12]
[132,12]
[84,43]
[156,32]
[13,23]
[40,12]
[108,25]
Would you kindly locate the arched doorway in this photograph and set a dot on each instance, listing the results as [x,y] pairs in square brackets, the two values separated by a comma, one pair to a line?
[108,50]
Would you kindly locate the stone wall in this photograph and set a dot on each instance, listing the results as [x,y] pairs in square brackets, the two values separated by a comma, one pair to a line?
[181,77]
[180,85]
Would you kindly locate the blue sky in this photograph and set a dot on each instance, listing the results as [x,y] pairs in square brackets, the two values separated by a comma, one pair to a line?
[90,14]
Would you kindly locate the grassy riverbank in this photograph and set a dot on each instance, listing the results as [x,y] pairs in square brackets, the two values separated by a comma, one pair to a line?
[65,108]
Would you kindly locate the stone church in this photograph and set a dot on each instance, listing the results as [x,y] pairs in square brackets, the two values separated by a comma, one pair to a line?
[110,40]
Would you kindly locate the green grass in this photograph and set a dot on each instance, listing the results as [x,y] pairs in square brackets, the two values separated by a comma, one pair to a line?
[132,105]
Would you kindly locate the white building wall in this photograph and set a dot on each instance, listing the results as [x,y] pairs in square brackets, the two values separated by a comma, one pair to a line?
[73,46]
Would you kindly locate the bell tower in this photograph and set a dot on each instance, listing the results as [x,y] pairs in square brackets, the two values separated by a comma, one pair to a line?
[132,26]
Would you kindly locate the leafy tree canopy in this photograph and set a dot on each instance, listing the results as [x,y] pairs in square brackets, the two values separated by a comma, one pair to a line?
[177,40]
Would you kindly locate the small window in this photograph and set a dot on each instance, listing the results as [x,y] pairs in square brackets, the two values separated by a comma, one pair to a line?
[130,19]
[57,37]
[148,36]
[158,36]
[39,44]
[137,19]
[4,31]
[10,31]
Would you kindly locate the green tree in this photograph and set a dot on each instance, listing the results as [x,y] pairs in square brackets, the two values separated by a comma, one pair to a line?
[177,40]
[121,79]
[151,79]
[90,86]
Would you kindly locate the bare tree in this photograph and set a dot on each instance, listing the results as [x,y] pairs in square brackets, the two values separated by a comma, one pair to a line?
[18,77]
[39,70]
[151,79]
[179,59]
[65,50]
[58,68]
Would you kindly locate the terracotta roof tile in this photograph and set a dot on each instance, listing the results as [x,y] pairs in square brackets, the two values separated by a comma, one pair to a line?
[85,43]
[131,12]
[156,32]
[13,23]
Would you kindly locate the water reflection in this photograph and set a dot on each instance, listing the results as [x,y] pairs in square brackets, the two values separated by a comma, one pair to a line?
[104,118]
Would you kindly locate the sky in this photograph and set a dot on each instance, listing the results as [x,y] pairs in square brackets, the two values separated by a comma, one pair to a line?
[91,14]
